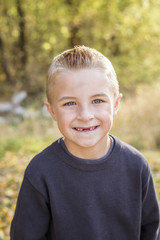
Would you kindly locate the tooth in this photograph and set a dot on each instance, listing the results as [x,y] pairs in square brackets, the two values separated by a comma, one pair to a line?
[79,129]
[85,129]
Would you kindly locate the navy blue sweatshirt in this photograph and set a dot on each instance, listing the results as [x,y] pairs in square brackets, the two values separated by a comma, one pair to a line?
[63,197]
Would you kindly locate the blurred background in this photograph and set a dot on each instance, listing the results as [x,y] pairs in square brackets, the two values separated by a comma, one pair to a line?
[31,34]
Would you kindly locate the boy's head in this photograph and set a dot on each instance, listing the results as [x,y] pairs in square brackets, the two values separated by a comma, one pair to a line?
[83,97]
[81,57]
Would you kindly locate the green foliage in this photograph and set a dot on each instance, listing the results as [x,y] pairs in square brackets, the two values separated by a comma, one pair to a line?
[126,31]
[138,119]
[12,145]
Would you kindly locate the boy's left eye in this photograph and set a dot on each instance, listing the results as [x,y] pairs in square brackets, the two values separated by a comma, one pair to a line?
[98,101]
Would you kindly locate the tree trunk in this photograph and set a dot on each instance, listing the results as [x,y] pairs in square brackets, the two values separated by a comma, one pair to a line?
[74,27]
[22,38]
[5,66]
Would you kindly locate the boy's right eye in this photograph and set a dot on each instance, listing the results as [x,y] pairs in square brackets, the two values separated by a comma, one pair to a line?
[69,104]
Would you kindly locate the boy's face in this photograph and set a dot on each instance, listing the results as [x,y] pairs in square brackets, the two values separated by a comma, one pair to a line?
[83,105]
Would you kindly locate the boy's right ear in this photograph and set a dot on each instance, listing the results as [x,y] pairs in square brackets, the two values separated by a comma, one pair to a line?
[50,110]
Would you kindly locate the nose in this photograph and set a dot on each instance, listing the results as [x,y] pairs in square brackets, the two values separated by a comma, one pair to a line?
[85,113]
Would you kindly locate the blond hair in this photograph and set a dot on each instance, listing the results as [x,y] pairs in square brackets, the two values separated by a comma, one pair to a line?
[81,57]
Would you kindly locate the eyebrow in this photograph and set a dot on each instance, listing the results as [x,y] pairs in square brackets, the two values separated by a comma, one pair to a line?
[66,98]
[73,98]
[99,95]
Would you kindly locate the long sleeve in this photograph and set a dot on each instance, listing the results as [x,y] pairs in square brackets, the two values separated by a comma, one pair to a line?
[150,212]
[32,215]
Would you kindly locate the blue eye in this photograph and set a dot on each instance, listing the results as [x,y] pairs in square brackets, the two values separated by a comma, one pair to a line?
[97,101]
[69,104]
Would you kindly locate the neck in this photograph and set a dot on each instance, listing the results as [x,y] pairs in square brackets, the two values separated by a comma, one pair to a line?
[91,153]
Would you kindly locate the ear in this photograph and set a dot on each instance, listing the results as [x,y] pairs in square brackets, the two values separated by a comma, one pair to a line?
[50,110]
[116,104]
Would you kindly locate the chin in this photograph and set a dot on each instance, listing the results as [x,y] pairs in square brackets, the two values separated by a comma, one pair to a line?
[87,144]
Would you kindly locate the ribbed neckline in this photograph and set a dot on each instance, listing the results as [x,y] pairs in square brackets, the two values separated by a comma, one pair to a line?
[84,164]
[61,141]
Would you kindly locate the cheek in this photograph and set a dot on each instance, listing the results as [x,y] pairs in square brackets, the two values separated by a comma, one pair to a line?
[106,117]
[64,118]
[64,123]
[106,112]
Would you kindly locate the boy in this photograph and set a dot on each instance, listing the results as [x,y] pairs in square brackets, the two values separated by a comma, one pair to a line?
[88,185]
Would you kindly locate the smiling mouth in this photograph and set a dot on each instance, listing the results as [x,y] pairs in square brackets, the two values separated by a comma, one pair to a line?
[79,129]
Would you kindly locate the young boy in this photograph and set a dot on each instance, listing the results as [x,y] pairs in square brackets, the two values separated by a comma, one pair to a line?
[88,185]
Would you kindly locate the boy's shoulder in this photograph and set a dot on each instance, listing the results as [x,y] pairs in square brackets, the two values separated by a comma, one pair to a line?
[44,160]
[43,166]
[130,156]
[132,160]
[127,149]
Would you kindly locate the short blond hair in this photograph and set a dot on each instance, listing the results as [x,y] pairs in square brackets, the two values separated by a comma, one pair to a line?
[81,57]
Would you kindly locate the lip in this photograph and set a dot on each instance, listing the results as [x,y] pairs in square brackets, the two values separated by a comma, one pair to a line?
[85,129]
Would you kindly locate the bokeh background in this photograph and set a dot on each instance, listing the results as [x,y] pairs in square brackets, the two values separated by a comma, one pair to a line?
[31,34]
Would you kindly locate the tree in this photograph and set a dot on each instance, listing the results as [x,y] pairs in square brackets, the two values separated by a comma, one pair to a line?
[125,31]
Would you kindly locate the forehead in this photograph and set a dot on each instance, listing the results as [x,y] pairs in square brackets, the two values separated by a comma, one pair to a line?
[85,76]
[91,81]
